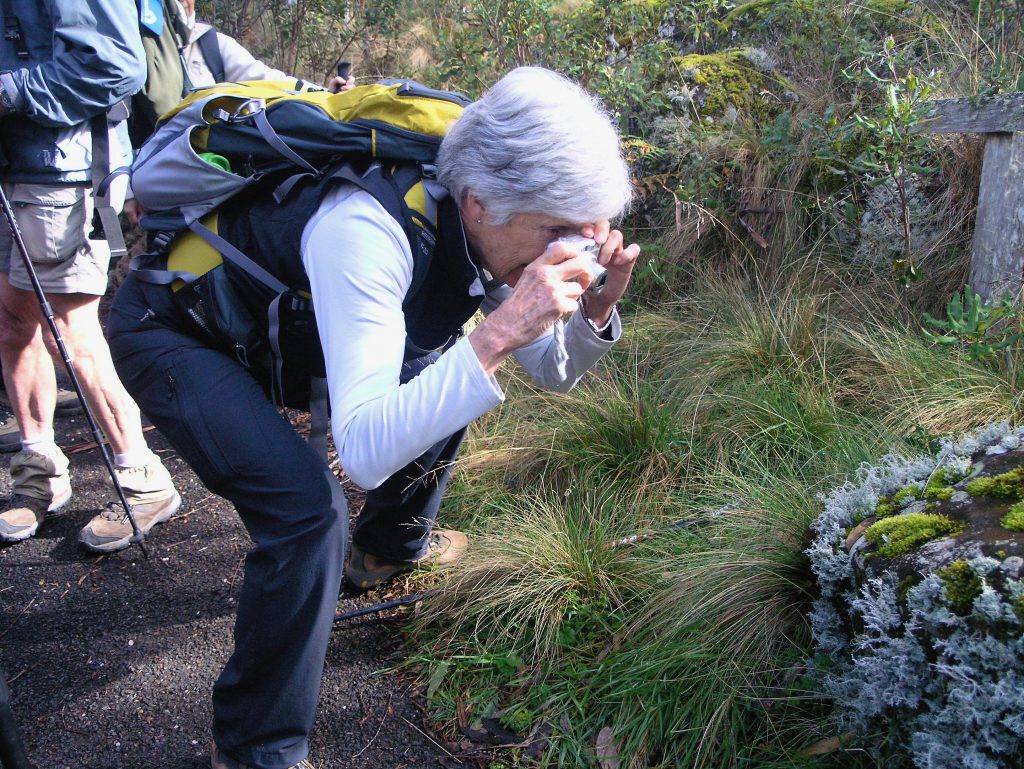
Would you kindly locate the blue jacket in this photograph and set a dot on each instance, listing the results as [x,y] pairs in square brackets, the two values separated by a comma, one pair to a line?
[84,57]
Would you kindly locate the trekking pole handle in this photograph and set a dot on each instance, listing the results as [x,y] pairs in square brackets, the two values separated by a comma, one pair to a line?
[344,69]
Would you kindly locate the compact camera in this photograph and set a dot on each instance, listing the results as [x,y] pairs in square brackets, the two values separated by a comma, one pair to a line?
[589,249]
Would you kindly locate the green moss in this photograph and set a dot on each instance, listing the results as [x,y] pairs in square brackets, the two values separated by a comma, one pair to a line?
[902,533]
[1018,608]
[905,584]
[940,485]
[907,494]
[725,78]
[962,586]
[1014,518]
[1009,485]
[885,507]
[887,7]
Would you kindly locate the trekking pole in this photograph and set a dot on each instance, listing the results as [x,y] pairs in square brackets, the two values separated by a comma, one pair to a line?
[379,607]
[47,311]
[12,752]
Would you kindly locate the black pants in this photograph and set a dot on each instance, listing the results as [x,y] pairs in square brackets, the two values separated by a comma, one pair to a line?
[220,420]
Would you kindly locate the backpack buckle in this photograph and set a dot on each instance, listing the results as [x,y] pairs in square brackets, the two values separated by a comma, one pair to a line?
[161,241]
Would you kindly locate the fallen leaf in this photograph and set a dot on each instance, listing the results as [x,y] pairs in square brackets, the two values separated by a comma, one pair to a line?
[607,750]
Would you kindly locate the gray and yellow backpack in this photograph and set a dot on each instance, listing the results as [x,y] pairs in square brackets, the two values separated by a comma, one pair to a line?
[232,174]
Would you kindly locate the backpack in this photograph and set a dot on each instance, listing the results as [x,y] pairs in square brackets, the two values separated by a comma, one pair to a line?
[262,145]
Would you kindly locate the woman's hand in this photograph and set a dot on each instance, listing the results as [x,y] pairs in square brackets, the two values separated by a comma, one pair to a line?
[549,288]
[619,260]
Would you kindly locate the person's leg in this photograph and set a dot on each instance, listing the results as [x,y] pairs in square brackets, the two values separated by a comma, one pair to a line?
[27,368]
[396,521]
[40,481]
[118,416]
[220,420]
[395,529]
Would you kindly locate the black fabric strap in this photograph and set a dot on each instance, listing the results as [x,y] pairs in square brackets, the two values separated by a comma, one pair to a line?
[237,258]
[12,30]
[210,48]
[109,224]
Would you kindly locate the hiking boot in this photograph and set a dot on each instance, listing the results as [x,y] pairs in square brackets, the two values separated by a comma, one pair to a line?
[10,434]
[365,571]
[220,760]
[150,492]
[39,484]
[67,403]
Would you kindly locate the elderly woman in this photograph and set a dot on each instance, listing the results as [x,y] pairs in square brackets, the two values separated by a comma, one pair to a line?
[534,160]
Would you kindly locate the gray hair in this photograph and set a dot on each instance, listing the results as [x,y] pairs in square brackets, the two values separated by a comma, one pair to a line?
[536,143]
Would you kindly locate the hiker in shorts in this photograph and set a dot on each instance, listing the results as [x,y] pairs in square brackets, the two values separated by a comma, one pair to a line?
[536,159]
[58,72]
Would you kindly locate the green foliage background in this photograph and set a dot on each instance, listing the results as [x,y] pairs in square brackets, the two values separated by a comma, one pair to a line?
[796,226]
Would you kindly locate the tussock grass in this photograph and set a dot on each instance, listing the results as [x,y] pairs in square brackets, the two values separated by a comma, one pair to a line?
[728,411]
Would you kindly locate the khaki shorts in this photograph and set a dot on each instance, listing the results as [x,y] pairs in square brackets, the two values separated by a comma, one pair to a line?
[54,223]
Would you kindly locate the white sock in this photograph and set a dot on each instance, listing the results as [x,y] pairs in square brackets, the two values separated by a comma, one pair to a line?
[44,444]
[134,458]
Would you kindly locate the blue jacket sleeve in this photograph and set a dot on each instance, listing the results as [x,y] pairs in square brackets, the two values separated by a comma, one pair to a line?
[98,60]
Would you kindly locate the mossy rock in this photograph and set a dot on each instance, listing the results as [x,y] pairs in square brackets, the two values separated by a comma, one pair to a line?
[920,615]
[723,86]
[953,518]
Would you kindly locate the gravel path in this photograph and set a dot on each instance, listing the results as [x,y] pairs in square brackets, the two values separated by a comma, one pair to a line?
[111,660]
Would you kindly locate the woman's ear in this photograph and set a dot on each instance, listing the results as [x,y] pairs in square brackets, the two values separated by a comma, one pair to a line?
[473,208]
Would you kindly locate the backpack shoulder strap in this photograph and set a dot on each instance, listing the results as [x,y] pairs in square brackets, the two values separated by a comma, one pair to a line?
[210,47]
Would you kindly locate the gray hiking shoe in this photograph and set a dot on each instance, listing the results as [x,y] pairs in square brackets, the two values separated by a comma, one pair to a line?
[67,402]
[40,485]
[153,499]
[365,571]
[221,760]
[10,434]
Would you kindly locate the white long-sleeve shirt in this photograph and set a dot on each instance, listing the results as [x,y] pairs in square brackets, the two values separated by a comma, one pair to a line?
[360,267]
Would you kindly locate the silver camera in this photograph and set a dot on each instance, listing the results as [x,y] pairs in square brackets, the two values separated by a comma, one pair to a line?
[589,249]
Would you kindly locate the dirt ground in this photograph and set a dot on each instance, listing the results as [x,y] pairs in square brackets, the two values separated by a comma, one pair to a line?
[111,660]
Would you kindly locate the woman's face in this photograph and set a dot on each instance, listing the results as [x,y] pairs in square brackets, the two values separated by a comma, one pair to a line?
[506,249]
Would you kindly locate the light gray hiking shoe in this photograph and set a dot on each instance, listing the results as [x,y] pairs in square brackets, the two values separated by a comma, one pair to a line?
[221,760]
[67,402]
[40,484]
[365,570]
[10,434]
[150,492]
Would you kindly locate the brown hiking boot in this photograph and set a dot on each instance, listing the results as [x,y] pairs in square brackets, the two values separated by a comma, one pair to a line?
[150,492]
[365,571]
[220,760]
[40,484]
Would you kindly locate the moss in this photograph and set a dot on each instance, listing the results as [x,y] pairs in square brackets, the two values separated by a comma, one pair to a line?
[907,494]
[888,7]
[905,584]
[962,586]
[885,508]
[1008,485]
[902,533]
[1014,518]
[1018,608]
[725,78]
[940,486]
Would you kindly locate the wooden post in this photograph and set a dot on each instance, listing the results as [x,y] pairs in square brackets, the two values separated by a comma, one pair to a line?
[997,258]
